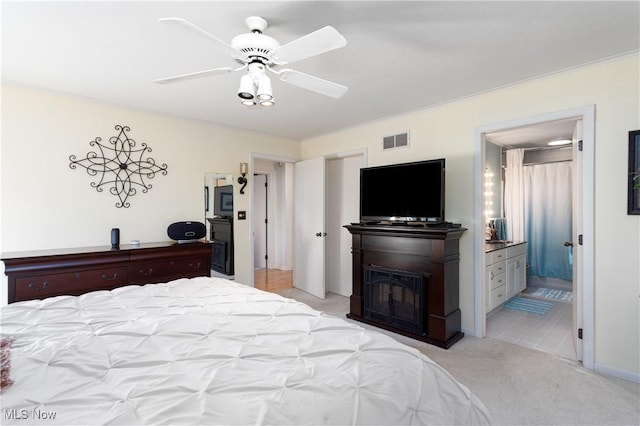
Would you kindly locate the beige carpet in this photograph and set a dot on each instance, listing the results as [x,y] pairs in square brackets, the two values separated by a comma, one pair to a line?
[519,386]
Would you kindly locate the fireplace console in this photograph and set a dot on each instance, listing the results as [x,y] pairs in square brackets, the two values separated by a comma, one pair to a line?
[406,280]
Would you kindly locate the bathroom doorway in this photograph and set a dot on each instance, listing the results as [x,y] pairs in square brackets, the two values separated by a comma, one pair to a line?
[580,311]
[541,316]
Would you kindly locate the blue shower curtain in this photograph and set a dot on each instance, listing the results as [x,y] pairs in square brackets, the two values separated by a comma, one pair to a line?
[547,204]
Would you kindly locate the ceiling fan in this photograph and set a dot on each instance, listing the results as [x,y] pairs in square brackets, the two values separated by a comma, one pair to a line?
[258,53]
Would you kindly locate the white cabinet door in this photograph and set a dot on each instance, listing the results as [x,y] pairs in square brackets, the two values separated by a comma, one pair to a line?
[487,288]
[511,277]
[521,273]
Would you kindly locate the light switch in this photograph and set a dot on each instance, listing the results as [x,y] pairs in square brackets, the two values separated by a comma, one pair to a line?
[242,215]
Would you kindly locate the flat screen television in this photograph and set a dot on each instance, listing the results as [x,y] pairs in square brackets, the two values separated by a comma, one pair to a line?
[408,192]
[223,201]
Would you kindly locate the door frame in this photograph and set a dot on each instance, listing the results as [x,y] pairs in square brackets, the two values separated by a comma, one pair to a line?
[586,210]
[275,158]
[256,209]
[267,157]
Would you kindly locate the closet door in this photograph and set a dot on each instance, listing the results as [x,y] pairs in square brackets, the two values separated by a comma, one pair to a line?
[309,226]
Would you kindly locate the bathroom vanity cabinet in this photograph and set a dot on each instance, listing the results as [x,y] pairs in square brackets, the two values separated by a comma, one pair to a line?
[505,272]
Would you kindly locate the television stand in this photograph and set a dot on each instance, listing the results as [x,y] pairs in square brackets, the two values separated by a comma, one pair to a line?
[420,265]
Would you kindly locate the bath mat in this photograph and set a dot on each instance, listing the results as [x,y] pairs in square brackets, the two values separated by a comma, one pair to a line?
[551,293]
[528,305]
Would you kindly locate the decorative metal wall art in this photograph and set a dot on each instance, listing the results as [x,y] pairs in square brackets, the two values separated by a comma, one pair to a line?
[121,166]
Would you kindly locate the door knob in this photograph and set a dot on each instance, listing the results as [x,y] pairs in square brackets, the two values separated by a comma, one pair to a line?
[318,234]
[568,244]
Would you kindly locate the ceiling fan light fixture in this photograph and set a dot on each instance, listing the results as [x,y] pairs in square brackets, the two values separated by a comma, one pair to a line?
[264,88]
[247,89]
[256,53]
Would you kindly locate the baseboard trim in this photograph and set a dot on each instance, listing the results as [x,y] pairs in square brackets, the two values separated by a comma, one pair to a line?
[468,332]
[620,374]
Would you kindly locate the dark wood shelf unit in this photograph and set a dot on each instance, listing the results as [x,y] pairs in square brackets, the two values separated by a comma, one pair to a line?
[75,271]
[432,252]
[222,236]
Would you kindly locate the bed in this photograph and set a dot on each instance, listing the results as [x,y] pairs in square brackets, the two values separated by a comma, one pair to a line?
[212,351]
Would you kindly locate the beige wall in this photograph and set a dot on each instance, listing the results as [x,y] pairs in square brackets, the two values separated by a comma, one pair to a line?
[47,205]
[449,131]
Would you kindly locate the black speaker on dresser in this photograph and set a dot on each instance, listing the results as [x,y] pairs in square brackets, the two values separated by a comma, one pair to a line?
[186,231]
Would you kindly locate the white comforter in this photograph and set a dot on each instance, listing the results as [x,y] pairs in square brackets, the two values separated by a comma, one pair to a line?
[211,351]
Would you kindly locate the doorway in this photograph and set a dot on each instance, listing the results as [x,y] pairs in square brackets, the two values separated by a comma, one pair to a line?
[583,160]
[271,217]
[342,182]
[541,316]
[327,197]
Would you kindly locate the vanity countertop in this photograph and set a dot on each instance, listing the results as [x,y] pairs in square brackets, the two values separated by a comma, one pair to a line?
[494,245]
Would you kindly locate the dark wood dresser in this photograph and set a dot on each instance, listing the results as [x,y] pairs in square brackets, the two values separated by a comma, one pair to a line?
[47,273]
[406,279]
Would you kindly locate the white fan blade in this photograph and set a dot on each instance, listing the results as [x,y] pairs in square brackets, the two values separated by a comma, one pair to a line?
[315,43]
[226,47]
[312,83]
[197,74]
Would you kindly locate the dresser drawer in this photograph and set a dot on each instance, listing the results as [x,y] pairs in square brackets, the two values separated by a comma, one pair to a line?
[158,272]
[69,283]
[193,267]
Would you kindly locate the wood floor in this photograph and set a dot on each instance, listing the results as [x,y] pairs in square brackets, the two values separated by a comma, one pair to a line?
[273,280]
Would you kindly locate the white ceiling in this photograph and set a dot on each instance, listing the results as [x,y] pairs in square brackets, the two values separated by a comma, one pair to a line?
[400,56]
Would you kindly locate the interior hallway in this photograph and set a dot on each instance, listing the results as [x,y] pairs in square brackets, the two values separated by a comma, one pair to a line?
[273,280]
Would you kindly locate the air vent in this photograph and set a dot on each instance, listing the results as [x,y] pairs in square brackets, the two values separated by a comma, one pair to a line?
[400,140]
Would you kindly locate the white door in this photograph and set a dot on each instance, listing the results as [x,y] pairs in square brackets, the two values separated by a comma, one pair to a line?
[577,278]
[308,226]
[259,221]
[342,207]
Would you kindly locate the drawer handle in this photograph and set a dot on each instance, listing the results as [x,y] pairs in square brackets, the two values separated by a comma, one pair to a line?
[500,295]
[108,278]
[196,266]
[146,273]
[33,286]
[492,275]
